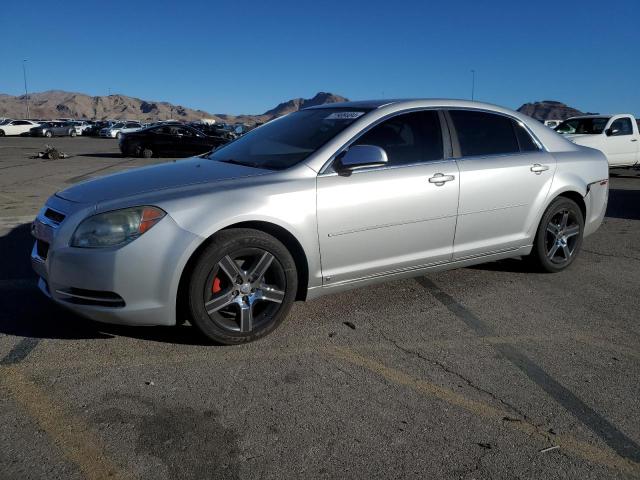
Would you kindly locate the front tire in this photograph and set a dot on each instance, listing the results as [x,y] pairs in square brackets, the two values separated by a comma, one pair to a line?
[242,286]
[146,153]
[72,133]
[1,133]
[559,236]
[48,134]
[118,135]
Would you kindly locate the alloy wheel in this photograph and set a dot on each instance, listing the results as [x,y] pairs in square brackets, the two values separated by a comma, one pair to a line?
[244,290]
[562,236]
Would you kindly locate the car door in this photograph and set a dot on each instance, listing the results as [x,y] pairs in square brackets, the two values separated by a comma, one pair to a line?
[166,141]
[505,177]
[621,146]
[18,127]
[187,141]
[386,219]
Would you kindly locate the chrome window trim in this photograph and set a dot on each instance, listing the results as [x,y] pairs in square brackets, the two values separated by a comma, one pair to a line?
[324,171]
[391,167]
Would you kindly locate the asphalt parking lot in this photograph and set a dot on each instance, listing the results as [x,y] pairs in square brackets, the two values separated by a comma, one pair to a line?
[484,372]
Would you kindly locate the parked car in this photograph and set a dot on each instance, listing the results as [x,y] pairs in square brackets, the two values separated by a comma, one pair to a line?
[328,198]
[114,131]
[95,129]
[81,126]
[168,140]
[17,127]
[54,129]
[617,136]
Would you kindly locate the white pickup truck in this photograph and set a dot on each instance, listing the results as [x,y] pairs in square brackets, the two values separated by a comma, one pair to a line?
[616,136]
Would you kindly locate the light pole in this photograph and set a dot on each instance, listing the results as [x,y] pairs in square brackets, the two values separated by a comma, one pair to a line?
[26,92]
[473,84]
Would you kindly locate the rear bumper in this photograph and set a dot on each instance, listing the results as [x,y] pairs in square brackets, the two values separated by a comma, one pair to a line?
[596,201]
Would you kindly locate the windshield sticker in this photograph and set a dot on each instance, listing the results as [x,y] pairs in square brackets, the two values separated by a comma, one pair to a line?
[344,115]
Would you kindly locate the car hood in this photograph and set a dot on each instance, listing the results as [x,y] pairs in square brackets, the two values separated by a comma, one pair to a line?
[156,177]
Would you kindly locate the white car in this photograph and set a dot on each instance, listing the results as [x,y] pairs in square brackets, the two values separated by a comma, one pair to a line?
[17,127]
[81,126]
[616,136]
[115,131]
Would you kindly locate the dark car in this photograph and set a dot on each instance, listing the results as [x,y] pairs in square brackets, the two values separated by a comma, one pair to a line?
[54,129]
[94,130]
[168,140]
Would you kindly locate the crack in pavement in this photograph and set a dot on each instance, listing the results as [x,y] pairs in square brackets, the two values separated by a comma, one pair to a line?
[617,440]
[524,417]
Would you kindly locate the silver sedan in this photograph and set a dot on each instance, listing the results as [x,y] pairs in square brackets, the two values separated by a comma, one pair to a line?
[328,198]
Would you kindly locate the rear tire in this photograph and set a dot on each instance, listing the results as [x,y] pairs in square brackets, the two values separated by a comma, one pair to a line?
[146,153]
[118,135]
[1,133]
[559,236]
[242,286]
[72,133]
[48,134]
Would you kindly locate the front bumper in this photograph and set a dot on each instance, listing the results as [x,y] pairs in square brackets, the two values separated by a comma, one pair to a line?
[135,284]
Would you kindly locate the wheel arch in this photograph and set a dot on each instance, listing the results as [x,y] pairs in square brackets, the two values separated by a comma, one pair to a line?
[280,233]
[576,197]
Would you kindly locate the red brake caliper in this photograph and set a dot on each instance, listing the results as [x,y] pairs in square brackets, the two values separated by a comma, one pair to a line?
[215,288]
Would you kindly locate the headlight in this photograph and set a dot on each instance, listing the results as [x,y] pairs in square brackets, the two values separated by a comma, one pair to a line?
[117,227]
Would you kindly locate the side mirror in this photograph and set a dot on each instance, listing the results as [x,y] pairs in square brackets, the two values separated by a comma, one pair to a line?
[360,156]
[611,132]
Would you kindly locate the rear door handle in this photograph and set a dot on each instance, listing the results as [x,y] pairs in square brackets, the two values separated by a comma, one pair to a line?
[538,169]
[439,179]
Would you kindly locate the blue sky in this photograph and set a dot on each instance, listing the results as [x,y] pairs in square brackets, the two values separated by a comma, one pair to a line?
[245,56]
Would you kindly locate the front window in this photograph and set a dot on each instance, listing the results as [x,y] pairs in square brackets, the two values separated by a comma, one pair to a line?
[621,126]
[408,138]
[588,126]
[287,141]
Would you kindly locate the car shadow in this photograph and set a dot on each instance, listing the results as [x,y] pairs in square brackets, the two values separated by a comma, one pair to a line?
[26,312]
[624,204]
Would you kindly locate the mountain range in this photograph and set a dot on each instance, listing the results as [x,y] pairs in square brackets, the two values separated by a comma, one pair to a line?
[550,110]
[59,104]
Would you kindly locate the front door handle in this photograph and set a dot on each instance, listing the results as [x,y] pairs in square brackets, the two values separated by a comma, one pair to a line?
[634,139]
[439,179]
[538,169]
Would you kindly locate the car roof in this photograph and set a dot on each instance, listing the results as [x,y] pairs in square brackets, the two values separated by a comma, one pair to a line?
[590,116]
[409,103]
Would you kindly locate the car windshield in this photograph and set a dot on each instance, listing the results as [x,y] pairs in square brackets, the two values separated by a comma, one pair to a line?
[118,125]
[286,141]
[589,126]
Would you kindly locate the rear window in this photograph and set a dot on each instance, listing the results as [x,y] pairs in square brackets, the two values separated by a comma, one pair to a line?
[482,133]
